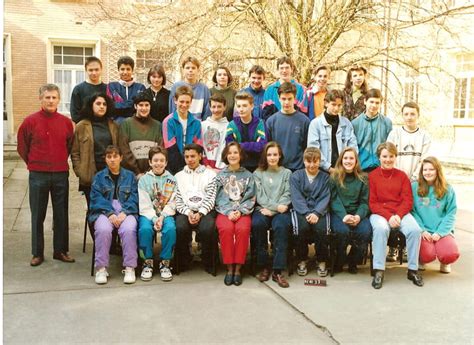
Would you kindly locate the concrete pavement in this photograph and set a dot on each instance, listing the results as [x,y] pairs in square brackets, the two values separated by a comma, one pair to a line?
[59,303]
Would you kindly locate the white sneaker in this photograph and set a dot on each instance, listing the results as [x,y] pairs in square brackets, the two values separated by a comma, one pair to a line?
[165,271]
[129,277]
[147,271]
[445,268]
[301,269]
[101,276]
[321,270]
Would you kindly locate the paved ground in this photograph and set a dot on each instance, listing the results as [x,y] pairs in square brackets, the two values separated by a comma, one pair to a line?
[59,303]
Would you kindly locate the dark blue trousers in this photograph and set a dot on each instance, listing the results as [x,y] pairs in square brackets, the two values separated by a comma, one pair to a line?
[41,185]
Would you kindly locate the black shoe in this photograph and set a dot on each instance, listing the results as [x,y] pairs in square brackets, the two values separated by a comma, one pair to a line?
[237,279]
[415,277]
[228,279]
[378,279]
[352,269]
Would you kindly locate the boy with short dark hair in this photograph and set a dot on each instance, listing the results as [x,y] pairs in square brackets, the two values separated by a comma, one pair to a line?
[271,102]
[247,130]
[256,89]
[138,134]
[124,90]
[289,127]
[214,130]
[93,84]
[195,201]
[412,142]
[331,133]
[310,196]
[318,91]
[371,128]
[180,128]
[199,107]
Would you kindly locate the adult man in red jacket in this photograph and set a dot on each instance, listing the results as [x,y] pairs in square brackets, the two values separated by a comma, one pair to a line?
[44,143]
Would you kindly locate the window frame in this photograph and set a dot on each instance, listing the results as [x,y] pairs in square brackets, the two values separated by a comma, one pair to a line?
[93,43]
[460,73]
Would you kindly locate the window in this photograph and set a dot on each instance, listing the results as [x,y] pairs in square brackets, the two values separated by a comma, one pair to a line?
[411,83]
[145,59]
[68,70]
[463,102]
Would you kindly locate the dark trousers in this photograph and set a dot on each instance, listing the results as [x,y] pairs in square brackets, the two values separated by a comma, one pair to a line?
[280,225]
[358,236]
[308,233]
[41,184]
[206,234]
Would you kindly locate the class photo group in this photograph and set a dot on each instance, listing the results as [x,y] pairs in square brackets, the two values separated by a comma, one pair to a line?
[275,170]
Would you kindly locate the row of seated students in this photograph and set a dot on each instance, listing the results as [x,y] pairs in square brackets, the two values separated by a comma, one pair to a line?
[330,132]
[234,203]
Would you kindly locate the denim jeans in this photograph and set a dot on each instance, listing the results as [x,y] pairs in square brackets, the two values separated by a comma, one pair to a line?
[409,227]
[280,225]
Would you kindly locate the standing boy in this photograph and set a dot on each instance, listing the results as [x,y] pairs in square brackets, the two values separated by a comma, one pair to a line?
[93,84]
[412,142]
[247,130]
[310,196]
[256,89]
[44,143]
[180,128]
[331,133]
[371,129]
[137,135]
[195,204]
[214,130]
[289,127]
[199,107]
[271,103]
[124,90]
[318,91]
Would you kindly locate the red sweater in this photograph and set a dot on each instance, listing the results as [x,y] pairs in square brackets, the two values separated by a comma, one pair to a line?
[389,193]
[45,140]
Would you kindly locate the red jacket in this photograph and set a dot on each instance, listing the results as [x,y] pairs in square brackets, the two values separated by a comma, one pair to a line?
[389,193]
[45,140]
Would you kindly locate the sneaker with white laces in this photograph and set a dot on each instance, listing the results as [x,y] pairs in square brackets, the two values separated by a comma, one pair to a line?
[129,275]
[445,268]
[165,271]
[101,276]
[301,270]
[147,271]
[392,254]
[321,270]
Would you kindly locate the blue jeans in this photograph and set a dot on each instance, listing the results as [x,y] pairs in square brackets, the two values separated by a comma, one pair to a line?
[309,233]
[358,236]
[409,227]
[146,234]
[280,225]
[41,184]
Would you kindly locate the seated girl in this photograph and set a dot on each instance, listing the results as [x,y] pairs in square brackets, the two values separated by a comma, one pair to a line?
[435,211]
[273,199]
[350,209]
[234,204]
[114,205]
